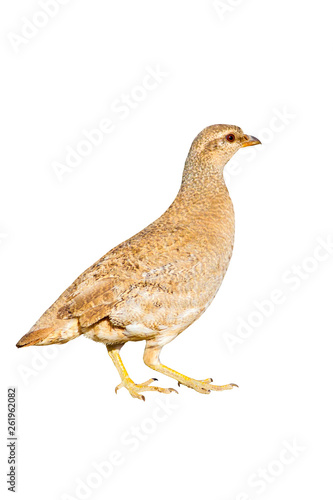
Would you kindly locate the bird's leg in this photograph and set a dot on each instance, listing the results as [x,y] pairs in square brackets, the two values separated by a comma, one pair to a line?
[151,359]
[127,382]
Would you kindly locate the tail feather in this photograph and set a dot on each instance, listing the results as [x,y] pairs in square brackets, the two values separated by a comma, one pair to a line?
[60,333]
[34,337]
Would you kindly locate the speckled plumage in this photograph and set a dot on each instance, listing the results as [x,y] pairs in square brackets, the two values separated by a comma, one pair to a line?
[154,285]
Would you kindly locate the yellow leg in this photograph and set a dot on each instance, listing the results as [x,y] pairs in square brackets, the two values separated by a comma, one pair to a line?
[151,358]
[127,382]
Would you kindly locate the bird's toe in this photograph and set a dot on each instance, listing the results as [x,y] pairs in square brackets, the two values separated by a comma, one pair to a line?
[136,389]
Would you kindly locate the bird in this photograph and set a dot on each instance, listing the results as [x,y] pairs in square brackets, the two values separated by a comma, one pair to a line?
[154,285]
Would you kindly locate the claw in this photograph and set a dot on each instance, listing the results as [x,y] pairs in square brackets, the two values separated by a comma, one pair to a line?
[135,389]
[119,386]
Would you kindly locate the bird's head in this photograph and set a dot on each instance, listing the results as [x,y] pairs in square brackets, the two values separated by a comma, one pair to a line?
[216,144]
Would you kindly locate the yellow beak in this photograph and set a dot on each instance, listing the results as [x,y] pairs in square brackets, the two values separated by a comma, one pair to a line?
[249,140]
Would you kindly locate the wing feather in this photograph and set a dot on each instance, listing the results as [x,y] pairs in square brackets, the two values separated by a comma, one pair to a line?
[100,293]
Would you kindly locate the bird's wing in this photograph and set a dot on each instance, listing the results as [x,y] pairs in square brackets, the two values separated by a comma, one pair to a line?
[92,295]
[91,303]
[132,268]
[110,297]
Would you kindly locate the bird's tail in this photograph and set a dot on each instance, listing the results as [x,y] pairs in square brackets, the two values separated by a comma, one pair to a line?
[59,333]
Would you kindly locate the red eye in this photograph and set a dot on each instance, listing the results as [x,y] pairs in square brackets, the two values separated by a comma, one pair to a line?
[230,137]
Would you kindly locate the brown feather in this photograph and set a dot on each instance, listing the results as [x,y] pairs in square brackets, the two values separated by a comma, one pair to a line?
[34,337]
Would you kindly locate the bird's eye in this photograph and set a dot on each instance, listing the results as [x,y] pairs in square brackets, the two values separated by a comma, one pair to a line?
[230,137]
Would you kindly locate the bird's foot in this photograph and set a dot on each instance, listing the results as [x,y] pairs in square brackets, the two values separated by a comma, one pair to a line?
[136,389]
[205,386]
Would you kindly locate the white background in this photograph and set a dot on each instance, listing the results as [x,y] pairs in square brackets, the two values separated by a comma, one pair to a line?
[247,66]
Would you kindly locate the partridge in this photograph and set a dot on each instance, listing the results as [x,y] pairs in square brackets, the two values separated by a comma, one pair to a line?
[157,283]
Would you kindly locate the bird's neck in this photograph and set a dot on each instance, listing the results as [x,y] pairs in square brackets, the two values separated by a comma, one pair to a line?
[203,184]
[204,195]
